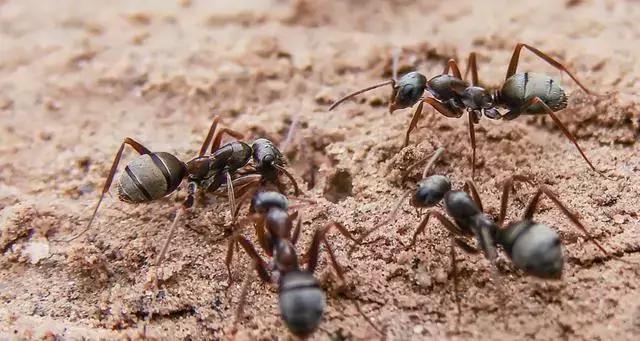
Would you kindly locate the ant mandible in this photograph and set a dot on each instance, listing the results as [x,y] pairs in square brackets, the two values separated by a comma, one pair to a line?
[521,93]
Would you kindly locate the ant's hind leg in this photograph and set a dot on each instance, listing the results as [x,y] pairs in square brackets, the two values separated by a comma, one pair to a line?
[556,120]
[451,64]
[443,220]
[261,266]
[472,66]
[470,185]
[209,136]
[533,204]
[218,137]
[142,150]
[314,248]
[513,64]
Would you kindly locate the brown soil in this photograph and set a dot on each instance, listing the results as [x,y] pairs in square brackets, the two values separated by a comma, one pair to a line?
[76,77]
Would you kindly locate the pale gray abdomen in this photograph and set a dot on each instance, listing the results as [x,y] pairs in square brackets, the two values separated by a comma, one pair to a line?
[149,177]
[521,87]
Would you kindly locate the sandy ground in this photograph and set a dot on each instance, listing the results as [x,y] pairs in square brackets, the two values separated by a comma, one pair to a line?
[76,77]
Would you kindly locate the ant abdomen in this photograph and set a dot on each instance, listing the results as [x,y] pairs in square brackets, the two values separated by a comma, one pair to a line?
[534,248]
[521,87]
[149,177]
[430,191]
[301,302]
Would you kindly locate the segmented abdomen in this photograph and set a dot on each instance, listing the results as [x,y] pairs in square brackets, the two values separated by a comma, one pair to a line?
[521,87]
[149,177]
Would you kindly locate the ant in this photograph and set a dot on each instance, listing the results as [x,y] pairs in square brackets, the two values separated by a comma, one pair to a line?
[522,94]
[533,247]
[301,299]
[154,175]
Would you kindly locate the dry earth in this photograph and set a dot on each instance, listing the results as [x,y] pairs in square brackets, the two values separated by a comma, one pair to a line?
[76,77]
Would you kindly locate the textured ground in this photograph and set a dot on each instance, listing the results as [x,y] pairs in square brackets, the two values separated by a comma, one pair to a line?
[76,77]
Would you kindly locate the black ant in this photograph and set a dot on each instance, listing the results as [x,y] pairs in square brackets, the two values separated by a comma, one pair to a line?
[521,93]
[301,299]
[154,175]
[533,247]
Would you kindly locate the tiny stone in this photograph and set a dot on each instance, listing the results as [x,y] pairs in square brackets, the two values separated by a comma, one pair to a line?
[619,219]
[418,330]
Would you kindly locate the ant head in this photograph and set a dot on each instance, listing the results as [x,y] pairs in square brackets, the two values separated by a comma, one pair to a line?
[536,249]
[477,98]
[263,201]
[265,153]
[301,302]
[407,91]
[430,191]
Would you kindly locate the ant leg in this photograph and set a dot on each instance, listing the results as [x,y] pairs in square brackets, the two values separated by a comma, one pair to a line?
[556,120]
[296,189]
[513,64]
[414,122]
[532,205]
[247,191]
[451,64]
[383,223]
[231,194]
[186,204]
[443,220]
[472,66]
[228,259]
[507,186]
[472,138]
[470,185]
[142,150]
[207,139]
[296,230]
[334,261]
[319,236]
[358,92]
[261,266]
[242,302]
[218,137]
[442,108]
[436,155]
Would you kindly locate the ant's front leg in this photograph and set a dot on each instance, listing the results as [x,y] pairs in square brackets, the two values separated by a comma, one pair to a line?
[442,108]
[314,248]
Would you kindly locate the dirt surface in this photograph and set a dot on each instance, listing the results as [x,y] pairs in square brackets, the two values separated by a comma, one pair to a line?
[76,77]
